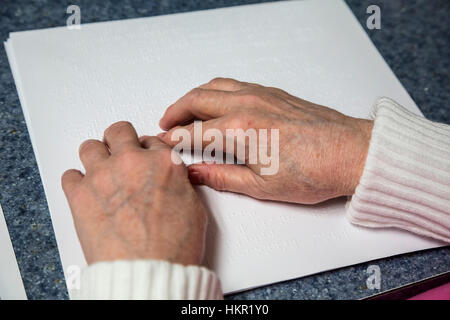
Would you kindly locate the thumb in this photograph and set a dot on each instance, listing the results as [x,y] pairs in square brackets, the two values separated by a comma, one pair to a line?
[227,177]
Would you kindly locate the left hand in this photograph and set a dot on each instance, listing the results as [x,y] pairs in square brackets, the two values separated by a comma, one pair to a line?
[134,202]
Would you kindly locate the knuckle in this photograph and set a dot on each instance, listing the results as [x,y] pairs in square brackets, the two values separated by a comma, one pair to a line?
[86,145]
[66,175]
[216,80]
[68,172]
[169,109]
[218,181]
[194,93]
[117,127]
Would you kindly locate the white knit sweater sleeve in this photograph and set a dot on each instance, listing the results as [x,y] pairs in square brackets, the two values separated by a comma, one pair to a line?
[145,280]
[406,179]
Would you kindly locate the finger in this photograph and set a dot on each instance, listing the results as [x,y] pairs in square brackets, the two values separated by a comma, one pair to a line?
[201,104]
[152,143]
[239,143]
[172,137]
[227,177]
[224,84]
[121,136]
[92,152]
[69,180]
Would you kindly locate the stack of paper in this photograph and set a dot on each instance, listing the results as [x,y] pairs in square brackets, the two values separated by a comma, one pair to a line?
[11,285]
[72,84]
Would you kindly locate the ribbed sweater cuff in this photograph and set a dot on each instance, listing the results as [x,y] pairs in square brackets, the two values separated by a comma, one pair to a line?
[406,179]
[145,280]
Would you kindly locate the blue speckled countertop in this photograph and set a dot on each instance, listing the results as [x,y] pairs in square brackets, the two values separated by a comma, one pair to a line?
[413,40]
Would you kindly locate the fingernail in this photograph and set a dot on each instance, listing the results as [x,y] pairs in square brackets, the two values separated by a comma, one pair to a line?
[194,176]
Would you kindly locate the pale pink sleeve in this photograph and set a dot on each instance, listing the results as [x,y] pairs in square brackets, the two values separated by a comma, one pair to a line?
[406,179]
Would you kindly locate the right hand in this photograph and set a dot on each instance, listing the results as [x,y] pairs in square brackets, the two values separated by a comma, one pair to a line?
[321,151]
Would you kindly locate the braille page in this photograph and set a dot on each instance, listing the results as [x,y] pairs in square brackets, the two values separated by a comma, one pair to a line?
[11,285]
[73,84]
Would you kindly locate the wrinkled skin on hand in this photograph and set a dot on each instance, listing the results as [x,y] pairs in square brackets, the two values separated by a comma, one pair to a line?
[321,151]
[134,202]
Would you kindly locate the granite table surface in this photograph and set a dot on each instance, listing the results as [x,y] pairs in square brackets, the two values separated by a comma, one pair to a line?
[413,39]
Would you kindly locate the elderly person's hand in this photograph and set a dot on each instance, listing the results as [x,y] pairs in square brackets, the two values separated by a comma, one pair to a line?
[134,202]
[321,151]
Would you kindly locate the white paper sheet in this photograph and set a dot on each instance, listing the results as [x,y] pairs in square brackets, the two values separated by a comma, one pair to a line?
[74,83]
[11,285]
